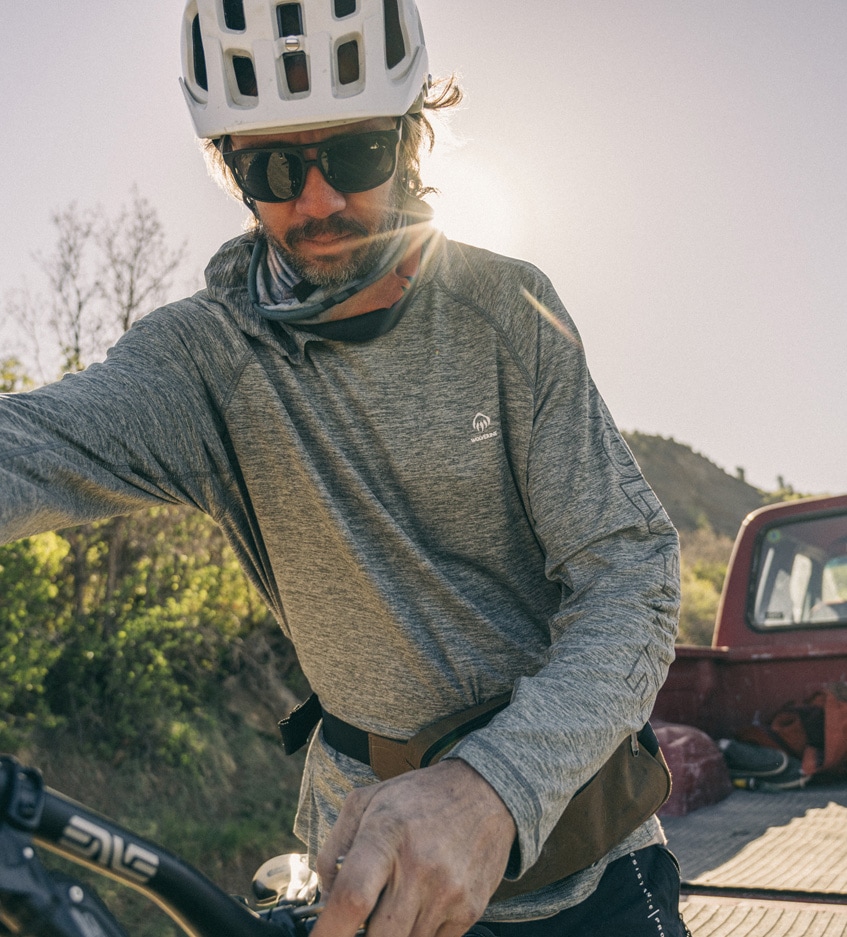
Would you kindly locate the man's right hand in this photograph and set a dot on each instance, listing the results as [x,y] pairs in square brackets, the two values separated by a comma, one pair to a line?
[422,855]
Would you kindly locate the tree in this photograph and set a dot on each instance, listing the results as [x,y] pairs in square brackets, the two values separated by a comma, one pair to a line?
[72,278]
[12,376]
[136,263]
[138,624]
[785,491]
[101,276]
[155,623]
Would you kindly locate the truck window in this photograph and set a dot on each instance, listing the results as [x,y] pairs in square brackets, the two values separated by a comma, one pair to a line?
[801,574]
[835,581]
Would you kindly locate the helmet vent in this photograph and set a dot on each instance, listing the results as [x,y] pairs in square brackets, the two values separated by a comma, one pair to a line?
[343,8]
[296,71]
[198,55]
[289,19]
[395,45]
[245,76]
[347,57]
[234,15]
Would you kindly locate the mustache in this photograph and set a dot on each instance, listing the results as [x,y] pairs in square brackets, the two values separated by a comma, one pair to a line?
[320,227]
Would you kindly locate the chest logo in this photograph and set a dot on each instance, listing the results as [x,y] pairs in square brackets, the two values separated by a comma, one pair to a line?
[481,425]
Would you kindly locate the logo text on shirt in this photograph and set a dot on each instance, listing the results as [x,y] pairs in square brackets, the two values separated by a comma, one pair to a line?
[481,424]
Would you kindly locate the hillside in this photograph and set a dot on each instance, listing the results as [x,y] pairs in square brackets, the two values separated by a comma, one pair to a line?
[692,488]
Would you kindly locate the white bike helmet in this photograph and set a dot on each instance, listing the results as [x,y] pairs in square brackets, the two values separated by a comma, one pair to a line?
[257,66]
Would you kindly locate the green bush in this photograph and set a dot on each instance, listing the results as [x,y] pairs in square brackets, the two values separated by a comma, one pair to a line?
[705,556]
[31,623]
[125,631]
[698,609]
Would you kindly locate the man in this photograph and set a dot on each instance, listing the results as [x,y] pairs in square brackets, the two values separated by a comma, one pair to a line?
[401,440]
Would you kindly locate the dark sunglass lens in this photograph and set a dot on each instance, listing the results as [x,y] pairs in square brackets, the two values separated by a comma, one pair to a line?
[284,175]
[361,162]
[270,176]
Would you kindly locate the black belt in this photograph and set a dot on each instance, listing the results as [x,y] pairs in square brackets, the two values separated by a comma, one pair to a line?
[343,737]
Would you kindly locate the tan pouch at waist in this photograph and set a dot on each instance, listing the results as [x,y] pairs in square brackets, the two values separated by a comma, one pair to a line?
[626,791]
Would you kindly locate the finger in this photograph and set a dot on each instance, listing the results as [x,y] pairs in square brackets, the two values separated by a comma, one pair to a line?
[341,837]
[325,883]
[403,915]
[356,891]
[419,900]
[397,914]
[453,928]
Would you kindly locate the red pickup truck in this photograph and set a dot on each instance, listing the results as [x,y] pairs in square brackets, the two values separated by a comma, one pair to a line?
[767,859]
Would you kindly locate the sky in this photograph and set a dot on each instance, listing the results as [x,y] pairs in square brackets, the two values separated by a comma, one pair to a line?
[676,167]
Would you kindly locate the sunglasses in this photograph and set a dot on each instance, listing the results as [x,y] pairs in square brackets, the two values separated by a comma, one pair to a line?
[353,163]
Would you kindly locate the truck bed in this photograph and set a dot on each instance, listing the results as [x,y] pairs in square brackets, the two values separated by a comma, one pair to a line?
[759,864]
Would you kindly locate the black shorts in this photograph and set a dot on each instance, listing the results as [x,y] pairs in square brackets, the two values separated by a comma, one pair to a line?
[638,896]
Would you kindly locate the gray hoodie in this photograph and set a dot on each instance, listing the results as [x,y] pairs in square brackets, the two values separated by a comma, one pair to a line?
[435,517]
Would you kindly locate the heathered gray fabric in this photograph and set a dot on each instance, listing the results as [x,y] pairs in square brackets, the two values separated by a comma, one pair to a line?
[435,516]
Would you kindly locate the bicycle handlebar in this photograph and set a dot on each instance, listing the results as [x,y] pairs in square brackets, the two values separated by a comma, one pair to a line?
[33,811]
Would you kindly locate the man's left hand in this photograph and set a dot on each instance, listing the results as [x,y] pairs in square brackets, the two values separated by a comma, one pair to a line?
[422,855]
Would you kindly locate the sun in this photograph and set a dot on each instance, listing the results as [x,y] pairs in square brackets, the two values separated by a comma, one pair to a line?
[473,204]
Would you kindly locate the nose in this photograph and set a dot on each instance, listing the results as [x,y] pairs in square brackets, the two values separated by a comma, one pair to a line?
[318,198]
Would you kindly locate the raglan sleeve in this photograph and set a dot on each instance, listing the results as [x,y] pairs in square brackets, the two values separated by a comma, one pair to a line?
[132,431]
[611,548]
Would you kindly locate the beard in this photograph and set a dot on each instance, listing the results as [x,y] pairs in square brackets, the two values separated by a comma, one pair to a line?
[328,271]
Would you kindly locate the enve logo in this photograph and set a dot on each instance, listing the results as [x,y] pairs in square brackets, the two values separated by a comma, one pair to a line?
[110,851]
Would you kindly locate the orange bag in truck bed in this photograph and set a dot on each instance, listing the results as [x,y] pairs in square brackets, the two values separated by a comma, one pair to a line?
[814,731]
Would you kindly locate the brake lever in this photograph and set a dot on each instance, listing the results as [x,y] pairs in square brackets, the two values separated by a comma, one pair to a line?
[288,880]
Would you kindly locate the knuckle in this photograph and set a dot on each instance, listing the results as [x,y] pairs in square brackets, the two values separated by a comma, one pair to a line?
[465,905]
[465,914]
[352,903]
[357,798]
[475,910]
[325,867]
